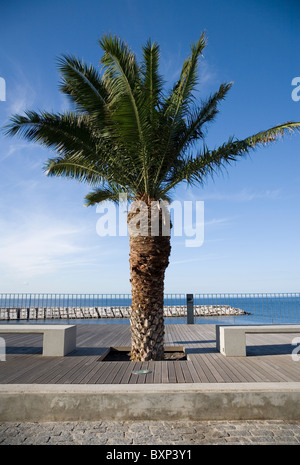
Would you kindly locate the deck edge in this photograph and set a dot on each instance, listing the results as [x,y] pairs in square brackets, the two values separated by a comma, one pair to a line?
[219,401]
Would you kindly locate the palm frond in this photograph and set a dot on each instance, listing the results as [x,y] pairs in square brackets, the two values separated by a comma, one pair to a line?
[65,133]
[192,130]
[182,93]
[272,134]
[199,117]
[121,77]
[152,84]
[118,59]
[75,168]
[82,154]
[84,86]
[111,192]
[177,106]
[208,162]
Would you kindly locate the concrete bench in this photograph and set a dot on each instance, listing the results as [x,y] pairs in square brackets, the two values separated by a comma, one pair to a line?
[58,340]
[231,340]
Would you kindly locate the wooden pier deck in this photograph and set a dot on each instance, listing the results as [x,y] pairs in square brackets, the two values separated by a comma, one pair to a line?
[269,359]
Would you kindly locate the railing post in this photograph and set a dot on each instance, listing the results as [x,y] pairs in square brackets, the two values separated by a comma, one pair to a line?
[190,309]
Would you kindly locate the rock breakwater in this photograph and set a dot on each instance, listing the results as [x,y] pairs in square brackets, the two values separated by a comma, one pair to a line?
[110,312]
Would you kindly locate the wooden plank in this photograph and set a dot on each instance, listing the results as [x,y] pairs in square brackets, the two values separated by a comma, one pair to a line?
[164,373]
[248,370]
[121,372]
[142,377]
[79,373]
[106,372]
[193,372]
[235,371]
[58,373]
[70,369]
[15,366]
[220,368]
[271,370]
[113,372]
[150,376]
[178,372]
[201,368]
[211,371]
[93,375]
[171,371]
[99,373]
[204,364]
[288,366]
[263,370]
[158,372]
[88,373]
[37,370]
[128,372]
[64,367]
[134,378]
[185,367]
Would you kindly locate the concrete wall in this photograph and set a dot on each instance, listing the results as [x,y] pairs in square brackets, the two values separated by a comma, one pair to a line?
[150,402]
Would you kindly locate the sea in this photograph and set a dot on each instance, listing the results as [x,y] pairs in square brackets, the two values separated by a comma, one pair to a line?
[258,308]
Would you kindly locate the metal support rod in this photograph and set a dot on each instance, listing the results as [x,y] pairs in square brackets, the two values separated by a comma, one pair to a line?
[190,308]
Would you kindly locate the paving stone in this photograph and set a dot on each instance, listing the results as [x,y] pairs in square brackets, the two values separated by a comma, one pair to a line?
[184,429]
[95,441]
[262,432]
[262,440]
[119,441]
[152,433]
[42,438]
[286,440]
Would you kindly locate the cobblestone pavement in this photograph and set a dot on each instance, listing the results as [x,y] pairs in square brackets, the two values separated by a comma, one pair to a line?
[152,433]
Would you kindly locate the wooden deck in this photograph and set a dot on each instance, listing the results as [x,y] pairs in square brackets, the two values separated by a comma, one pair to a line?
[268,359]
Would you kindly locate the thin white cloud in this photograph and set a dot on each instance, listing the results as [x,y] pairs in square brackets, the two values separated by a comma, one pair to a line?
[207,74]
[218,221]
[198,259]
[11,149]
[171,67]
[38,245]
[244,195]
[21,96]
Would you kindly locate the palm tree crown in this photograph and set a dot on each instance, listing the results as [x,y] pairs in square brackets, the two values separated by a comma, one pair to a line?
[125,134]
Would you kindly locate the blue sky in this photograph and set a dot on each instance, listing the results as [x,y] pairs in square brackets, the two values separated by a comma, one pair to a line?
[48,239]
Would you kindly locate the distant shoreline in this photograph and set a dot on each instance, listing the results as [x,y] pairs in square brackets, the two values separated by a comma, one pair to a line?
[36,313]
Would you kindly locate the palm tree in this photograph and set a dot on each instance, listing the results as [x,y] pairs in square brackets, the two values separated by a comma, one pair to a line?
[127,135]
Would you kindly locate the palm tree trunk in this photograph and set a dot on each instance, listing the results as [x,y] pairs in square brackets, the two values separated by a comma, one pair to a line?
[148,258]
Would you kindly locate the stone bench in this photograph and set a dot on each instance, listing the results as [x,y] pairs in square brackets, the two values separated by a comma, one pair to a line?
[231,340]
[58,340]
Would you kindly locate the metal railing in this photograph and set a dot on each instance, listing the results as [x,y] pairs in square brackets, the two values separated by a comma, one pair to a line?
[232,308]
[260,307]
